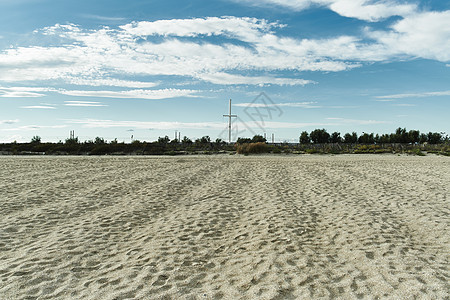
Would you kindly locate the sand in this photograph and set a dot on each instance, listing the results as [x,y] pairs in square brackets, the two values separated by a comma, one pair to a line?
[225,227]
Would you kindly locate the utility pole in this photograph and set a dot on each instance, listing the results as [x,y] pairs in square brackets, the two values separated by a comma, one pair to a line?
[229,123]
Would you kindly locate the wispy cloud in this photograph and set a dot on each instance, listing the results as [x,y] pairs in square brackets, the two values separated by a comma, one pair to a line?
[414,95]
[384,100]
[341,121]
[226,79]
[38,107]
[84,103]
[22,92]
[20,95]
[111,82]
[33,127]
[290,104]
[133,94]
[95,123]
[404,104]
[9,122]
[103,18]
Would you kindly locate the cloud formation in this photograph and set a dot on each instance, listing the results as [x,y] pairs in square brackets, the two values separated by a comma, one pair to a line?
[414,95]
[220,51]
[84,103]
[367,10]
[132,94]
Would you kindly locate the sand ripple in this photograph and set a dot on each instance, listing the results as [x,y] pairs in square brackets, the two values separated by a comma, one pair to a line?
[213,227]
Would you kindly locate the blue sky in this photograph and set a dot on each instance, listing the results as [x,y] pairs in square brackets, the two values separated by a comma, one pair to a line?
[149,68]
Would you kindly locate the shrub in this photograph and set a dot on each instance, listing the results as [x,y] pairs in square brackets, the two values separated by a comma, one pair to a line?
[252,148]
[417,151]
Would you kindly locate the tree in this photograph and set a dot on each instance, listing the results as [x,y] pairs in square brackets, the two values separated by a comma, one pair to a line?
[186,141]
[423,138]
[351,138]
[163,140]
[243,140]
[377,139]
[72,141]
[320,136]
[258,139]
[434,138]
[401,136]
[384,139]
[414,136]
[205,140]
[36,139]
[366,138]
[304,138]
[335,137]
[220,142]
[99,141]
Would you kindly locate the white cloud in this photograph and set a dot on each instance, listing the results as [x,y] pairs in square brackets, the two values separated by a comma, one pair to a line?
[33,127]
[291,104]
[93,123]
[96,123]
[111,82]
[342,121]
[103,18]
[371,11]
[84,103]
[96,57]
[38,107]
[22,92]
[424,35]
[133,94]
[8,122]
[414,95]
[242,28]
[224,79]
[404,104]
[99,53]
[5,94]
[361,9]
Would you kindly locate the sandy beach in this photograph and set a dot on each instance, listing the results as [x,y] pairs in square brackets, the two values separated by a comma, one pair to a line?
[225,227]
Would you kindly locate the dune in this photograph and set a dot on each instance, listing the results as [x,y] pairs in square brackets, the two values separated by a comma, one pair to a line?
[225,227]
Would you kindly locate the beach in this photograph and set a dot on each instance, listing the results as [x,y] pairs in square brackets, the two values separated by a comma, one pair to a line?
[225,227]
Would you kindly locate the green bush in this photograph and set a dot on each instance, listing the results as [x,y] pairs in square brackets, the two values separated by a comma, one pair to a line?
[252,148]
[417,151]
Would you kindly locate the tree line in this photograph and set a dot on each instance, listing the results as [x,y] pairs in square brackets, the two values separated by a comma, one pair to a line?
[317,141]
[401,135]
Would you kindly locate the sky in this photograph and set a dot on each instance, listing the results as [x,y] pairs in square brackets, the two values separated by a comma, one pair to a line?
[142,69]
